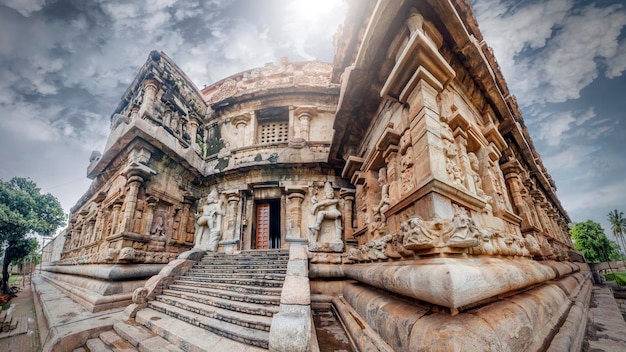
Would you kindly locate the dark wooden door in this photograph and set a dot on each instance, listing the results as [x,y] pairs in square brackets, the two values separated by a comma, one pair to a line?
[262,226]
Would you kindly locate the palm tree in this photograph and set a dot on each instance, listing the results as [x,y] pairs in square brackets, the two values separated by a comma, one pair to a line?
[618,227]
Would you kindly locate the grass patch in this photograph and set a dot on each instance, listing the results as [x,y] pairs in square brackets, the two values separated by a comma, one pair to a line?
[619,277]
[13,279]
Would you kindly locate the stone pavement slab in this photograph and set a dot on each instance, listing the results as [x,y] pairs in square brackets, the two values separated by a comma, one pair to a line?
[68,325]
[607,328]
[25,338]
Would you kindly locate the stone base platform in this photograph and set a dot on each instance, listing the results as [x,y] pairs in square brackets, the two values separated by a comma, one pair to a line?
[100,287]
[64,324]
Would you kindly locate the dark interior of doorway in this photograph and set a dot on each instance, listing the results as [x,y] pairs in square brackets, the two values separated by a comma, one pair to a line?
[274,220]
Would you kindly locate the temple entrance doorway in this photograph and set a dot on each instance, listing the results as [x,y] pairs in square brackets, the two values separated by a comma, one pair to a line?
[267,229]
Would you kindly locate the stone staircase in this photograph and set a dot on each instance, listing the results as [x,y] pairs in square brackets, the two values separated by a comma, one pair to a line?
[231,296]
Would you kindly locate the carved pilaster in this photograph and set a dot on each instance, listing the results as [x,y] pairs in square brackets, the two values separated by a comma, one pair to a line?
[184,217]
[115,218]
[295,196]
[231,236]
[134,182]
[241,122]
[150,88]
[151,204]
[193,129]
[348,195]
[304,116]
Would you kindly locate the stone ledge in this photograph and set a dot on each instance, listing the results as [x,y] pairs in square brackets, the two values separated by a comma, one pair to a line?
[455,282]
[68,325]
[94,295]
[525,321]
[112,272]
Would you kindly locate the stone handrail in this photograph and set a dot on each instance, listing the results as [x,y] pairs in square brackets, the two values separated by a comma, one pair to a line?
[155,285]
[292,328]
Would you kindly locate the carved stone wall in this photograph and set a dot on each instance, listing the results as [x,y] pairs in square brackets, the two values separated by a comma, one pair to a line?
[144,213]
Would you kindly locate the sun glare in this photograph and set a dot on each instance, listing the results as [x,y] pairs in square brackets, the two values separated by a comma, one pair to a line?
[314,9]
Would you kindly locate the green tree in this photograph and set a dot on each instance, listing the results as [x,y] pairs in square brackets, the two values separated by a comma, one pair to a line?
[24,210]
[618,227]
[590,240]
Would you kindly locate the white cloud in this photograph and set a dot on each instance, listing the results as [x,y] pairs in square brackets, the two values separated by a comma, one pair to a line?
[305,24]
[24,7]
[550,50]
[617,64]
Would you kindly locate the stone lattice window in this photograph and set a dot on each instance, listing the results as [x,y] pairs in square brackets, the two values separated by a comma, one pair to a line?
[273,125]
[273,132]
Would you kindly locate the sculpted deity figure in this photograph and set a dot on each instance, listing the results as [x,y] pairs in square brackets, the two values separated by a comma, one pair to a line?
[209,224]
[475,165]
[326,209]
[383,206]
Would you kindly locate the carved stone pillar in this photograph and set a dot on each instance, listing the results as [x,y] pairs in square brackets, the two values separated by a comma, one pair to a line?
[460,137]
[133,182]
[348,194]
[295,197]
[99,228]
[230,239]
[391,160]
[241,122]
[91,226]
[304,116]
[182,227]
[537,200]
[115,218]
[150,88]
[151,204]
[193,129]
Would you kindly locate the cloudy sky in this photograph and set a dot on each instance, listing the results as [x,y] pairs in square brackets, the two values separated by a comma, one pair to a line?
[64,65]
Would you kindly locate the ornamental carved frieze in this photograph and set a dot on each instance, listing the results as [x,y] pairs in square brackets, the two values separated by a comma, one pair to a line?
[456,235]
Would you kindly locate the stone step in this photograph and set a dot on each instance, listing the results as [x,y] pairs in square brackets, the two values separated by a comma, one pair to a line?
[257,290]
[115,342]
[279,255]
[191,337]
[237,306]
[96,345]
[242,280]
[242,265]
[217,270]
[257,275]
[229,330]
[143,339]
[258,322]
[228,295]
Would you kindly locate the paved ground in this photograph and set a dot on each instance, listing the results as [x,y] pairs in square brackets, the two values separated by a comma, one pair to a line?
[606,329]
[24,307]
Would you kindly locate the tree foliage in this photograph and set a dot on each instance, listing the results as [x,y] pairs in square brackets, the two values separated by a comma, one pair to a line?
[618,226]
[590,240]
[24,210]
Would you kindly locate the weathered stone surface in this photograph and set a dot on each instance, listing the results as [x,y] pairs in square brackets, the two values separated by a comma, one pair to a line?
[451,282]
[391,318]
[291,329]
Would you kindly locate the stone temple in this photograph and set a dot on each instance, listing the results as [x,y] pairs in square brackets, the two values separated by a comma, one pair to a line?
[389,201]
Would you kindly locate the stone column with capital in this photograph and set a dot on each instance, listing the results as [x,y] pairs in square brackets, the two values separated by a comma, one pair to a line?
[231,235]
[295,196]
[150,88]
[241,122]
[182,227]
[193,129]
[149,214]
[115,218]
[348,194]
[304,116]
[133,182]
